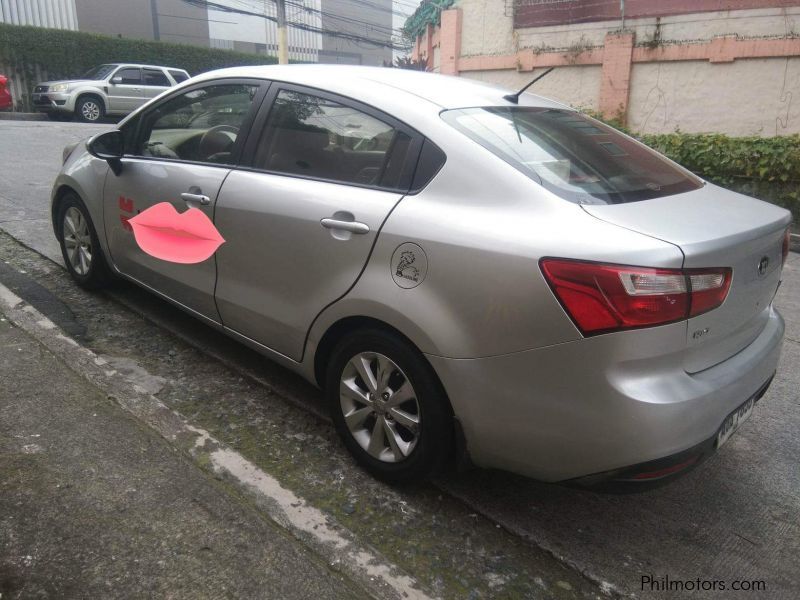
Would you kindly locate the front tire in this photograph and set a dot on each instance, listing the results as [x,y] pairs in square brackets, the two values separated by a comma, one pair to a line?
[89,109]
[388,407]
[80,247]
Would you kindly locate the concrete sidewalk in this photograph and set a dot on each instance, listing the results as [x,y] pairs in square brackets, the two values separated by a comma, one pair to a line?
[96,505]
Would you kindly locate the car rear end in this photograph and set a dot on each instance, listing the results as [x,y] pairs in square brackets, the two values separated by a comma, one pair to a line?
[6,101]
[669,358]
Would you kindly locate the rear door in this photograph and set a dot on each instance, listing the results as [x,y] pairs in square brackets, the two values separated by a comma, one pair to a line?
[179,152]
[301,216]
[125,91]
[154,82]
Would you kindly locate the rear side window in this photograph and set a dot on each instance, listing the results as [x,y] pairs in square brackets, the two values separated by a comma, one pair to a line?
[578,158]
[316,137]
[155,77]
[178,76]
[129,76]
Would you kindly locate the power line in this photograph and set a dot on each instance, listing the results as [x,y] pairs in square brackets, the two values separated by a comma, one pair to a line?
[301,26]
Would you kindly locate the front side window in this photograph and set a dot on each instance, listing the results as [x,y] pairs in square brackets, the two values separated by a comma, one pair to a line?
[578,158]
[316,137]
[201,125]
[129,76]
[154,77]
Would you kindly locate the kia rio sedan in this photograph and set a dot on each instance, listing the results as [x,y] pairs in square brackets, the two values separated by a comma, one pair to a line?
[463,275]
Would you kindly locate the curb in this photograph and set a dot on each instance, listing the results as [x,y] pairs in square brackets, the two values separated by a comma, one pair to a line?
[22,116]
[794,242]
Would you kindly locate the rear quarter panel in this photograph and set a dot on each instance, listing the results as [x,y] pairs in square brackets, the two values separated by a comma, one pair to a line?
[484,226]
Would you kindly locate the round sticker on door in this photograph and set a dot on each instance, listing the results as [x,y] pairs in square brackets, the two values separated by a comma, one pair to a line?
[409,265]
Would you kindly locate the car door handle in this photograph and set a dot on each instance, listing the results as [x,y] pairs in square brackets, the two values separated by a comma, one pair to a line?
[199,198]
[352,226]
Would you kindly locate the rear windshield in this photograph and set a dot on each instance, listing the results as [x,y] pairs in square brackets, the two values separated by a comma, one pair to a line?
[576,157]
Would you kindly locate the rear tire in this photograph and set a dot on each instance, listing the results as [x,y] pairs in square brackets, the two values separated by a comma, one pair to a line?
[388,407]
[89,109]
[80,246]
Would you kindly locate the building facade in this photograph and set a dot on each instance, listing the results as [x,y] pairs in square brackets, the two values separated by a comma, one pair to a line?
[333,31]
[728,66]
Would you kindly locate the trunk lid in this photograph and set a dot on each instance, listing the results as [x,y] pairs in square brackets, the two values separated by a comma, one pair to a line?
[715,227]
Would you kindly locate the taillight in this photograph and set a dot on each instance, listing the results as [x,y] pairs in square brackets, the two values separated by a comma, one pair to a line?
[707,288]
[785,249]
[601,298]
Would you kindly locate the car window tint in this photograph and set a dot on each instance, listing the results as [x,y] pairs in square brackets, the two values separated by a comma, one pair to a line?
[129,76]
[178,76]
[572,155]
[155,77]
[312,136]
[200,126]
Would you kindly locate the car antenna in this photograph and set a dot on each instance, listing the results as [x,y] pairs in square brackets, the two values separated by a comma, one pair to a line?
[515,97]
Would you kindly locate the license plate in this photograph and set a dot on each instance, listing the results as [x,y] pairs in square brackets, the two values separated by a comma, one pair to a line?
[734,420]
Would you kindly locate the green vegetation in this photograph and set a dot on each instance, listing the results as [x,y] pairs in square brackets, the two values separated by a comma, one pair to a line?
[35,52]
[427,13]
[766,168]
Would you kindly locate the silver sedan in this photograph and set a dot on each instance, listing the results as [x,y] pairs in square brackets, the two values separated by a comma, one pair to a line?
[464,273]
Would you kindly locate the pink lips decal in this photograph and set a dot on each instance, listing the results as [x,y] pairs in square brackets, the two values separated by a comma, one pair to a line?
[187,238]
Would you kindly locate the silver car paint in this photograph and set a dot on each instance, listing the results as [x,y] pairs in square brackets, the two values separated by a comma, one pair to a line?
[148,182]
[280,268]
[532,395]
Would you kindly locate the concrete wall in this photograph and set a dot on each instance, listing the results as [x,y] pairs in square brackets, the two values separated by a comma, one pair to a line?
[371,20]
[745,97]
[165,20]
[129,19]
[734,71]
[576,86]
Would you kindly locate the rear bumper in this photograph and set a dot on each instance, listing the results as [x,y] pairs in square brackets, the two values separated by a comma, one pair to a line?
[599,405]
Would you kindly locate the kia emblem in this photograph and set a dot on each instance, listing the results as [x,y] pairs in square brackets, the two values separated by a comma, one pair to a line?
[763,264]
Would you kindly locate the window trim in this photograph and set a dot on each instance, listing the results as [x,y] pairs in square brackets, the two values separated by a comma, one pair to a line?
[124,67]
[248,154]
[162,71]
[247,124]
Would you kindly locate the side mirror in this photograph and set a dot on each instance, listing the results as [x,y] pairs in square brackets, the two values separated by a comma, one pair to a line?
[116,80]
[110,147]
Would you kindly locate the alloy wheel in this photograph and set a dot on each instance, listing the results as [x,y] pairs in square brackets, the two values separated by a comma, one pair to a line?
[90,111]
[380,407]
[77,240]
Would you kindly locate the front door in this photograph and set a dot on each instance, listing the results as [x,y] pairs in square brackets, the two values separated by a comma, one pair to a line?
[301,222]
[125,90]
[182,153]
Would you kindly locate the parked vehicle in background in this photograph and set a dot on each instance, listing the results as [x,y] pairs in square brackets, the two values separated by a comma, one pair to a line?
[111,89]
[6,101]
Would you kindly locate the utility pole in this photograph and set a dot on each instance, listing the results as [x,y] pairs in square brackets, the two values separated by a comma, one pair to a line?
[154,12]
[283,45]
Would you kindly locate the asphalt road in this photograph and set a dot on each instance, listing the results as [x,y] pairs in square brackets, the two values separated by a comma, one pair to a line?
[733,518]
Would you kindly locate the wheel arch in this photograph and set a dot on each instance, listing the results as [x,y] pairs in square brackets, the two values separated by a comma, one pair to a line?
[344,326]
[91,94]
[58,197]
[335,332]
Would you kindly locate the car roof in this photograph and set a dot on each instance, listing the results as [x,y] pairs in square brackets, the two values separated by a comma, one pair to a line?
[442,90]
[126,64]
